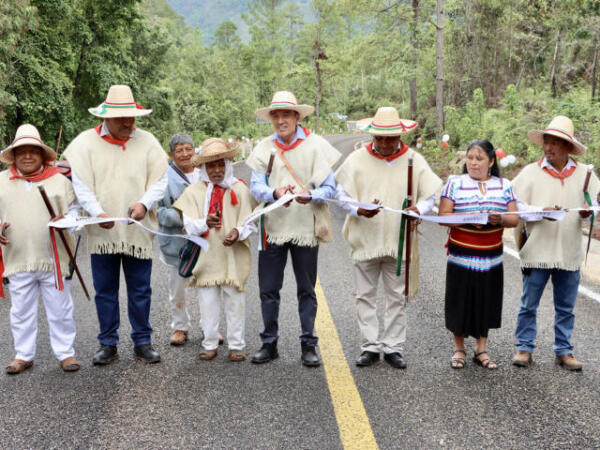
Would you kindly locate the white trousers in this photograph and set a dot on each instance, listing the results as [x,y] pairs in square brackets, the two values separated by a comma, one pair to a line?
[25,289]
[366,277]
[180,318]
[210,314]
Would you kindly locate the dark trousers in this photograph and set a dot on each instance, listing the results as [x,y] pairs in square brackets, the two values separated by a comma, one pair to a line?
[105,273]
[271,265]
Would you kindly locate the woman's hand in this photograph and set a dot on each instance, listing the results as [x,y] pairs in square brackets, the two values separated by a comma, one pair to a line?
[3,239]
[368,213]
[495,219]
[231,237]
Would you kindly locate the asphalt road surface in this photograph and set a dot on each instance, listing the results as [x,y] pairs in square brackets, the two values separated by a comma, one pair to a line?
[187,403]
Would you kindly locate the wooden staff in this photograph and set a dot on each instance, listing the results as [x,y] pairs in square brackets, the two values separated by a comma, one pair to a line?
[409,202]
[588,200]
[63,239]
[58,140]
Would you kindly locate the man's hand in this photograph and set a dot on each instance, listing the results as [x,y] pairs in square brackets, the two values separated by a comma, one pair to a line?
[57,218]
[105,225]
[281,191]
[304,200]
[212,221]
[368,213]
[231,237]
[411,220]
[3,239]
[585,214]
[550,208]
[137,211]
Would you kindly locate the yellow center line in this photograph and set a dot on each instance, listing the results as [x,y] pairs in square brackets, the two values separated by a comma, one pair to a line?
[353,422]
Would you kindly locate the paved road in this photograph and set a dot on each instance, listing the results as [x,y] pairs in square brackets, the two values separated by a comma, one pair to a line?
[184,402]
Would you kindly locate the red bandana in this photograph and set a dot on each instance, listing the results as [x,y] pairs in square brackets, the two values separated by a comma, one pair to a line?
[43,174]
[285,148]
[562,175]
[216,204]
[402,151]
[111,140]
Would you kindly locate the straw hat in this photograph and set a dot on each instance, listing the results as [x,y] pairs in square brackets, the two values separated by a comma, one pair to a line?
[387,123]
[119,103]
[26,135]
[563,128]
[213,149]
[284,100]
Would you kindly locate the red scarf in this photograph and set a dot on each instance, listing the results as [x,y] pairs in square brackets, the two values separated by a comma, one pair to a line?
[390,158]
[44,173]
[298,141]
[111,140]
[562,175]
[216,204]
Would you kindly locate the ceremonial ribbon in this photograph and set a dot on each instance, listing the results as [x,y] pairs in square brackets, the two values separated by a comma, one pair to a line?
[111,140]
[295,144]
[390,158]
[44,173]
[401,238]
[562,175]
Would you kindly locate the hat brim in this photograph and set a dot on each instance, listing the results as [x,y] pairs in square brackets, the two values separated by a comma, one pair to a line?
[406,127]
[302,110]
[7,155]
[113,113]
[537,137]
[198,160]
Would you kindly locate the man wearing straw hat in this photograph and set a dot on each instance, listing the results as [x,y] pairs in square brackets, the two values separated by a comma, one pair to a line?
[377,172]
[552,248]
[291,160]
[216,208]
[120,171]
[24,256]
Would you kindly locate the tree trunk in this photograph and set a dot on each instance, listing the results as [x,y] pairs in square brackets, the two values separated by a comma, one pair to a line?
[439,89]
[415,61]
[594,70]
[554,64]
[318,95]
[510,39]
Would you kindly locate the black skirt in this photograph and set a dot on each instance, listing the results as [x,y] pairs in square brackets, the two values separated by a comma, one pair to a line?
[474,285]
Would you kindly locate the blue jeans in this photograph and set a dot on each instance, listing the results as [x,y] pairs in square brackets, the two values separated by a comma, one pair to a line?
[271,265]
[105,273]
[564,284]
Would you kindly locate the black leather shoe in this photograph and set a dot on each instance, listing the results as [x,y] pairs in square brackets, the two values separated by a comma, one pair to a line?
[367,359]
[395,360]
[268,352]
[146,353]
[105,355]
[309,356]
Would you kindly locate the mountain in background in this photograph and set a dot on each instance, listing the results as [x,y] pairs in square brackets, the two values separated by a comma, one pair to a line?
[207,15]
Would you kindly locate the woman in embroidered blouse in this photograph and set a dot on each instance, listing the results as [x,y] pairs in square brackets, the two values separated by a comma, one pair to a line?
[474,273]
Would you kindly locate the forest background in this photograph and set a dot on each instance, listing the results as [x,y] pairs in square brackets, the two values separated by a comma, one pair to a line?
[508,66]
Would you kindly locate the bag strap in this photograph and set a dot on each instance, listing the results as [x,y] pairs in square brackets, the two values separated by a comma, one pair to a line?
[291,169]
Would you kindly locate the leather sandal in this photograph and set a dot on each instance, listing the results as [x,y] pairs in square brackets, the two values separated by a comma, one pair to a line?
[18,366]
[70,364]
[458,363]
[486,363]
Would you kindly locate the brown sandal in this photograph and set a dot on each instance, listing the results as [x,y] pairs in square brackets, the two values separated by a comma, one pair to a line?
[18,366]
[486,363]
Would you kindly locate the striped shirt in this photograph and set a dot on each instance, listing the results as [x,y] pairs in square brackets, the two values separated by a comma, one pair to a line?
[464,192]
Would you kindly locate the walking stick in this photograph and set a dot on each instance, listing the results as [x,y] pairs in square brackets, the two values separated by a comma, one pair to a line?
[58,140]
[588,200]
[263,233]
[409,203]
[63,239]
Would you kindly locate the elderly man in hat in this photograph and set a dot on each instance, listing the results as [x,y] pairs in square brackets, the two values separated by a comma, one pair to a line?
[120,171]
[291,160]
[24,257]
[216,209]
[552,248]
[377,172]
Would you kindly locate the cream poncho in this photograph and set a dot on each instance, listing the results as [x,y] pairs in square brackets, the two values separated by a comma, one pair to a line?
[365,178]
[220,265]
[311,160]
[119,178]
[30,249]
[553,245]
